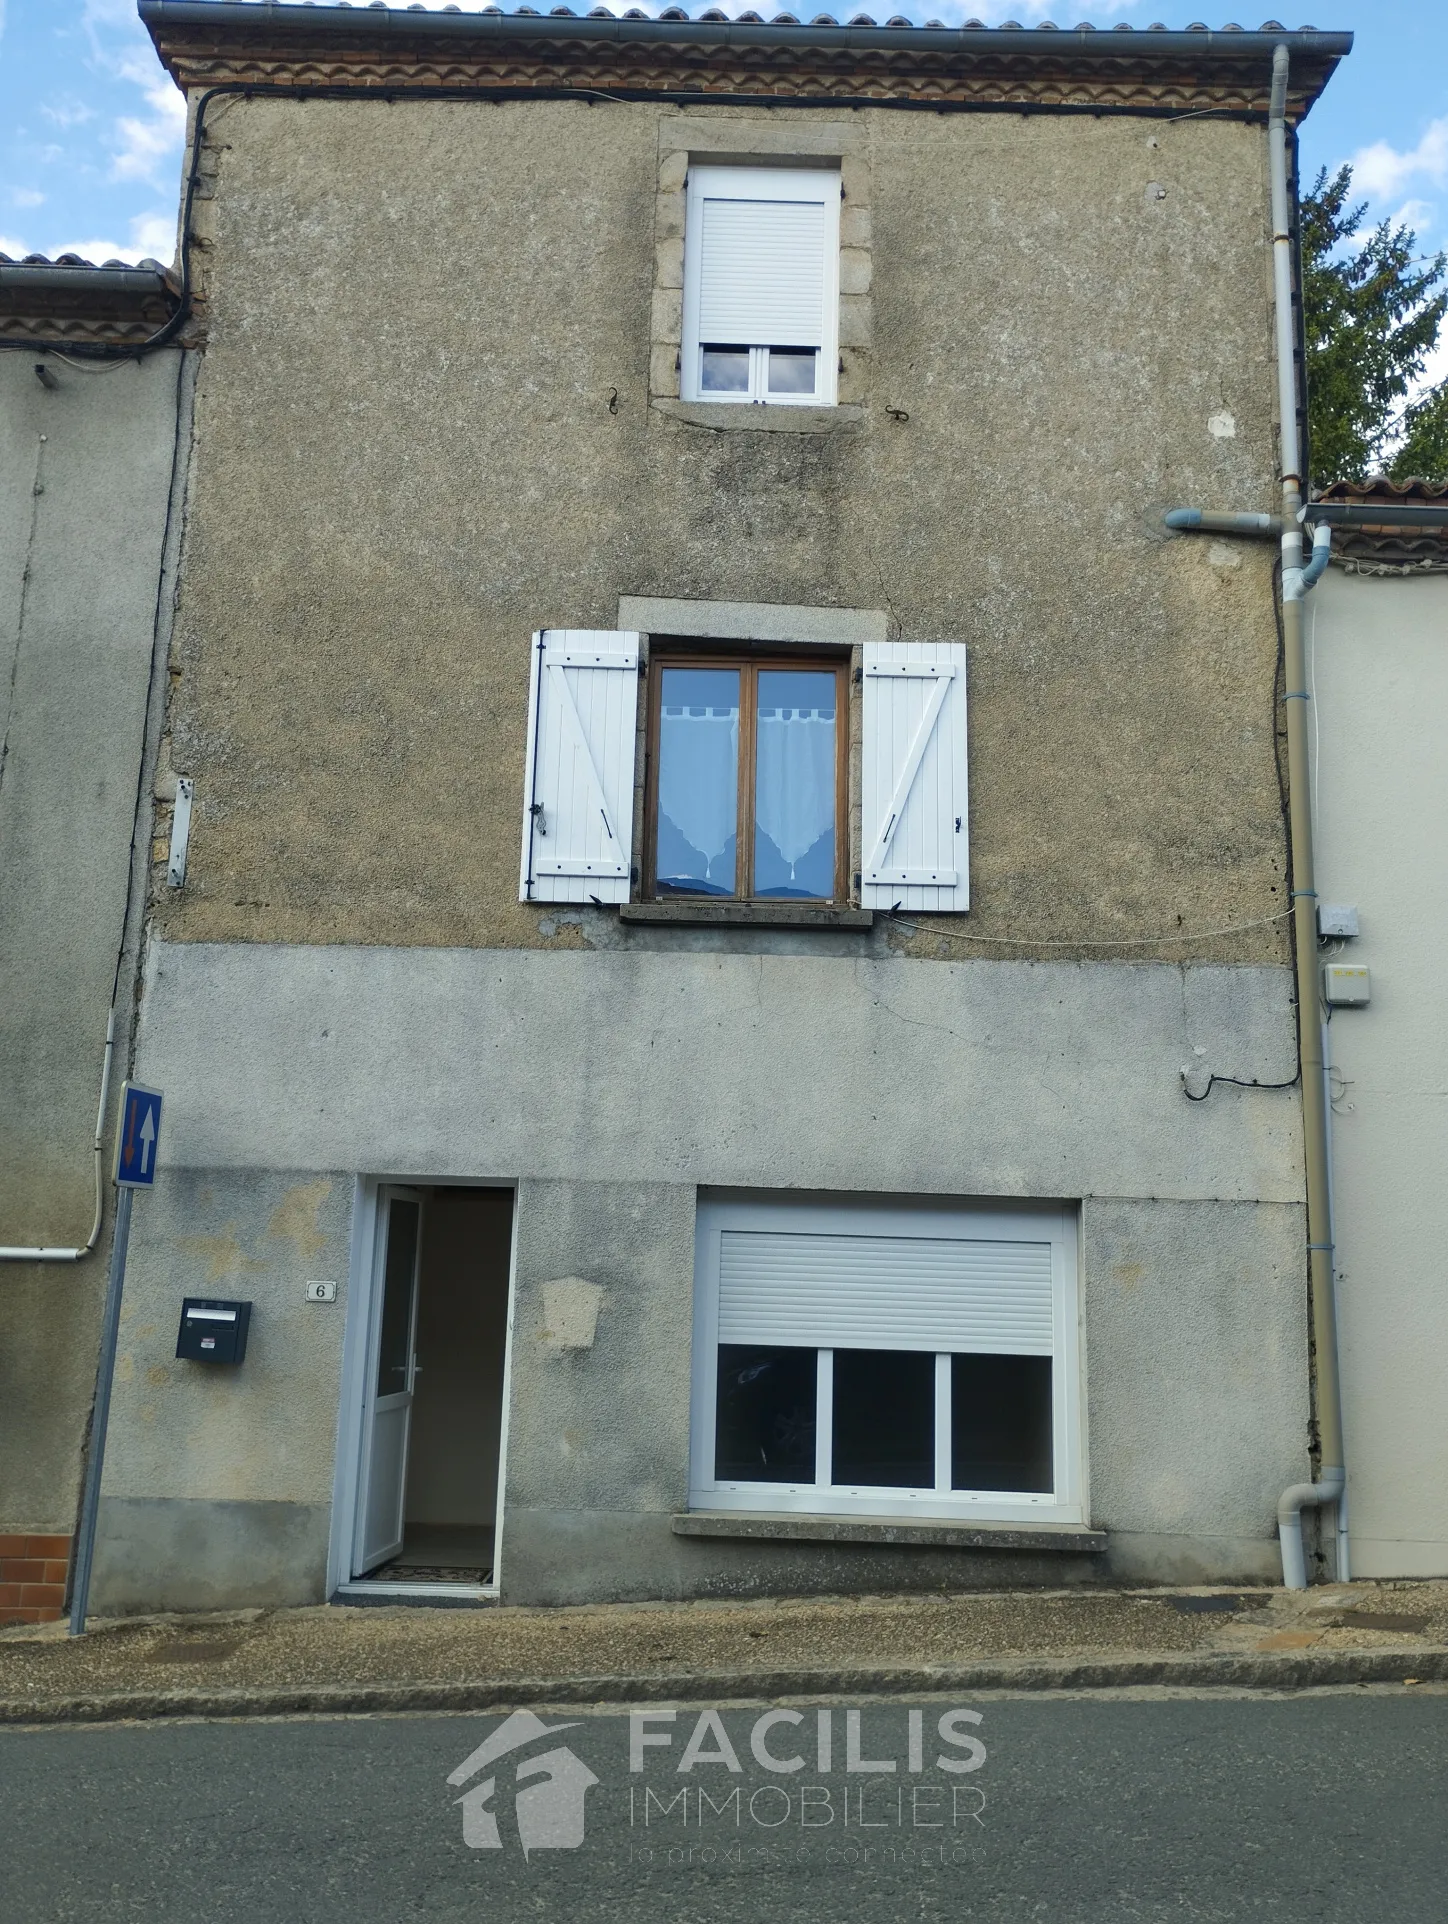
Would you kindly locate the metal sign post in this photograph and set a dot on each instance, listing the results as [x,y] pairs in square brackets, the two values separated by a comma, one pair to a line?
[135,1169]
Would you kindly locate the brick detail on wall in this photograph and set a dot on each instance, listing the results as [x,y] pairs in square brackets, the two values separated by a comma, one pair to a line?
[32,1578]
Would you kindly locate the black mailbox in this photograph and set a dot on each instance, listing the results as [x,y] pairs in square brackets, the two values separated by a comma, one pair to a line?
[213,1332]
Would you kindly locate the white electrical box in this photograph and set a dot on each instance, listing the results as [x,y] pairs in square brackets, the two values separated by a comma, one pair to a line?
[1345,985]
[1337,919]
[321,1292]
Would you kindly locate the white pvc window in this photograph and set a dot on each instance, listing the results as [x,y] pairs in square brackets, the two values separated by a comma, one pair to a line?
[761,285]
[917,1360]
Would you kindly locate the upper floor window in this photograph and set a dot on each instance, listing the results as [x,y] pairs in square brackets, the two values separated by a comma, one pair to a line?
[747,773]
[761,285]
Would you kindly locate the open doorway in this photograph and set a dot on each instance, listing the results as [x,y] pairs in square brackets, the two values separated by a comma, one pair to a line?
[432,1410]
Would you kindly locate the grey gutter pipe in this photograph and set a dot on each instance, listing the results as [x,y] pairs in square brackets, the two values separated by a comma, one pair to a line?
[1332,1476]
[1331,1484]
[369,21]
[1428,515]
[51,279]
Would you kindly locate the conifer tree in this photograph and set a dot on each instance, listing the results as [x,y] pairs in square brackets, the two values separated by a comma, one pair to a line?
[1371,312]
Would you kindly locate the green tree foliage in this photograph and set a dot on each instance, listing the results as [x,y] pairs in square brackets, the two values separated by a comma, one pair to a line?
[1371,311]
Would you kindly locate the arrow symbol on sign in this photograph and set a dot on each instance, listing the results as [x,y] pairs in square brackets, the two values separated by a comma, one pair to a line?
[148,1137]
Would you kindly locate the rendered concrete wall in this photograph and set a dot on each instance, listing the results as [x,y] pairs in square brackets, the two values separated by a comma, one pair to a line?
[1040,1080]
[85,476]
[1380,665]
[425,429]
[218,1480]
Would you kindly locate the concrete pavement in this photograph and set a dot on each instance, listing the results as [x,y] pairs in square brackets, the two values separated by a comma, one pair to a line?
[255,1663]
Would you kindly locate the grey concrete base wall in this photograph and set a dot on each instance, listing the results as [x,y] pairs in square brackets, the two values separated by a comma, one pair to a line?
[187,1553]
[218,1479]
[611,1088]
[1195,1328]
[86,468]
[725,1068]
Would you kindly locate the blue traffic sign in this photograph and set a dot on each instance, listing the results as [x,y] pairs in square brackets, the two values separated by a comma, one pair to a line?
[136,1143]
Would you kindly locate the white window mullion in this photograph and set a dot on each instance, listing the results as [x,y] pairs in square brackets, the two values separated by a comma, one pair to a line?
[824,1417]
[942,1426]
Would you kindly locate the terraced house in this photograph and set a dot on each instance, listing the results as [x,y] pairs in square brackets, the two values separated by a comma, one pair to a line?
[722,971]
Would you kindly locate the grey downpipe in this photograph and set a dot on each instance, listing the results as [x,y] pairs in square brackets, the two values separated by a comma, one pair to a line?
[1296,580]
[13,1254]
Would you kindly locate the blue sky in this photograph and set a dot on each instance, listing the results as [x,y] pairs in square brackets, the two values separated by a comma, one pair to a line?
[91,127]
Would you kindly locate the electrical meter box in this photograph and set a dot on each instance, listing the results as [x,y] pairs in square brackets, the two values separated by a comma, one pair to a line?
[211,1331]
[1345,986]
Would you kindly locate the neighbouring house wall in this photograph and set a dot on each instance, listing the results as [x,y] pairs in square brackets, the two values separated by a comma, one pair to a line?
[1380,685]
[86,474]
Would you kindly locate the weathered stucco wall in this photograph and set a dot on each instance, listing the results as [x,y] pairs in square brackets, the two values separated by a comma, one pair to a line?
[1380,674]
[86,469]
[425,430]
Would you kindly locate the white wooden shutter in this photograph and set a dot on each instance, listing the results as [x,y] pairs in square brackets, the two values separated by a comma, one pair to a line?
[914,813]
[578,793]
[821,1291]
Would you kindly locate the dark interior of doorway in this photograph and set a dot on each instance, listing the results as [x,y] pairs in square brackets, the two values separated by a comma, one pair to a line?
[457,1410]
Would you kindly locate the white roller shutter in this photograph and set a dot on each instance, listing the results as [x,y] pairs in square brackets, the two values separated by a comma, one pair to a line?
[578,795]
[821,1291]
[914,808]
[762,273]
[762,268]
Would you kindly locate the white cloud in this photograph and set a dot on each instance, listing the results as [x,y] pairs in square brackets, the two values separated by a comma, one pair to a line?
[67,111]
[95,251]
[147,144]
[16,249]
[153,236]
[1416,214]
[1383,171]
[26,197]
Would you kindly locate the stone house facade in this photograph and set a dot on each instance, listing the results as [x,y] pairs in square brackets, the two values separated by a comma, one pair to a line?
[735,875]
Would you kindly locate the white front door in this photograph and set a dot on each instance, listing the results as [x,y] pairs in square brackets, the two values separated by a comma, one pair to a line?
[391,1368]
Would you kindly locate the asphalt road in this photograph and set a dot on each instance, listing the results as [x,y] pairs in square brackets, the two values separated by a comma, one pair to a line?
[1327,1807]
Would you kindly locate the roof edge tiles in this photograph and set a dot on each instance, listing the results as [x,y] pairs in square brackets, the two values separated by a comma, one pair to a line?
[1369,547]
[70,302]
[381,49]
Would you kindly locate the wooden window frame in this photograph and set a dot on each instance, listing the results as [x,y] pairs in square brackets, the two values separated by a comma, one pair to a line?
[750,661]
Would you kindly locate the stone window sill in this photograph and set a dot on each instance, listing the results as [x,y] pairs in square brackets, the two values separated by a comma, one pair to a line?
[939,1532]
[747,915]
[739,416]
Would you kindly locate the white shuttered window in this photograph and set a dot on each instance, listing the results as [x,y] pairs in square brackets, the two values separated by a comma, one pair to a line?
[761,285]
[915,826]
[855,1358]
[578,790]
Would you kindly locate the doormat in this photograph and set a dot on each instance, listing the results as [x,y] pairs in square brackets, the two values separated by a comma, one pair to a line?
[399,1572]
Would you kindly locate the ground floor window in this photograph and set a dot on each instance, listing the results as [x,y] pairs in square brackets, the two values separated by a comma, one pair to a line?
[872,1359]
